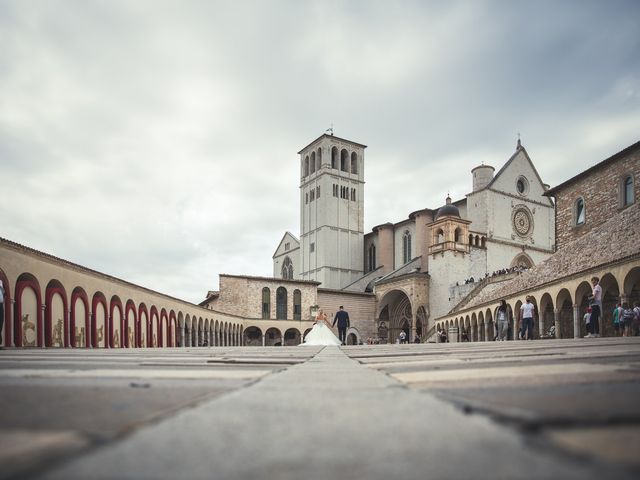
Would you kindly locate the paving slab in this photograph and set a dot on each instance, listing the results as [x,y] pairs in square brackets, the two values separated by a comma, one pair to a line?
[330,417]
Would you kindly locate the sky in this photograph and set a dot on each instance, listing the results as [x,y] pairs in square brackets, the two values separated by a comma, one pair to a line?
[156,140]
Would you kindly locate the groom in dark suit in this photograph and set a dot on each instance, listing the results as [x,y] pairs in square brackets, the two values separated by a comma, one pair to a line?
[342,318]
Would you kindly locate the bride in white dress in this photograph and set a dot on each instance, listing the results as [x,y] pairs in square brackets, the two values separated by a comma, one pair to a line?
[321,333]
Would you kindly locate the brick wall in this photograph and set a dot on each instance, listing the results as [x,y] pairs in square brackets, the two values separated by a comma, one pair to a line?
[360,306]
[601,191]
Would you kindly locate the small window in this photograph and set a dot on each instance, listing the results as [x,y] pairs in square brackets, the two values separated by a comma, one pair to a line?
[313,162]
[306,198]
[353,194]
[286,246]
[266,303]
[297,305]
[627,191]
[522,185]
[312,247]
[334,157]
[406,247]
[580,214]
[335,190]
[306,166]
[344,159]
[312,196]
[318,191]
[372,257]
[354,162]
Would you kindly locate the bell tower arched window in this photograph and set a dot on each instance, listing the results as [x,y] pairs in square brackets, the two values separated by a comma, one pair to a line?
[354,162]
[334,157]
[344,158]
[306,166]
[312,167]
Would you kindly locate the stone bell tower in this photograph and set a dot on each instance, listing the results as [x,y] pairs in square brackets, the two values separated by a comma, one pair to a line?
[332,211]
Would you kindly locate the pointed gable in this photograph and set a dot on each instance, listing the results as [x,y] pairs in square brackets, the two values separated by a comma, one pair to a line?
[520,168]
[291,240]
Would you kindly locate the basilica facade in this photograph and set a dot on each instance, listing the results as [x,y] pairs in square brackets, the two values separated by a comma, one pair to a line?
[418,268]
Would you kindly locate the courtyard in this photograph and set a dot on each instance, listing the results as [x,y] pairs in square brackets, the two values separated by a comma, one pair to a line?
[539,409]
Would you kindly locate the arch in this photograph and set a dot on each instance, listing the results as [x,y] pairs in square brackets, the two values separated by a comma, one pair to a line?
[354,163]
[546,315]
[483,242]
[266,303]
[143,326]
[522,260]
[477,241]
[564,306]
[319,158]
[292,337]
[7,335]
[28,323]
[306,166]
[334,157]
[154,320]
[312,163]
[439,236]
[116,330]
[164,329]
[187,330]
[99,321]
[610,299]
[422,323]
[344,159]
[457,235]
[180,335]
[253,337]
[353,336]
[489,326]
[479,336]
[473,324]
[172,331]
[130,322]
[306,332]
[80,323]
[281,303]
[631,285]
[297,304]
[273,337]
[626,191]
[56,318]
[470,239]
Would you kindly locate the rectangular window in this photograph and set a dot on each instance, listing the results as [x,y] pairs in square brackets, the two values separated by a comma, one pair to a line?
[318,191]
[306,198]
[312,247]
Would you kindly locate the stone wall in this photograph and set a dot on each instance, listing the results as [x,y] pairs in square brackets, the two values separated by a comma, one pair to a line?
[360,306]
[601,191]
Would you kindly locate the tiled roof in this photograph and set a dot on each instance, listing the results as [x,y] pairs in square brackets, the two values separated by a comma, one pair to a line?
[613,241]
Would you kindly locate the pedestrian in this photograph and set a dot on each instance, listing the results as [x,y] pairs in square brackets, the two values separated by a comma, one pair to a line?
[417,339]
[527,312]
[628,316]
[1,310]
[636,319]
[595,302]
[618,322]
[342,317]
[503,322]
[402,337]
[587,318]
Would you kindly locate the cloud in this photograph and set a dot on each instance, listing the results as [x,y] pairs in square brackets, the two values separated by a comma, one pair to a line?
[156,141]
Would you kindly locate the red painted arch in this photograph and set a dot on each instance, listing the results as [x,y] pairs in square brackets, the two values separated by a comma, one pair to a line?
[99,298]
[21,284]
[142,308]
[48,296]
[79,294]
[7,336]
[164,327]
[115,303]
[130,306]
[153,316]
[171,338]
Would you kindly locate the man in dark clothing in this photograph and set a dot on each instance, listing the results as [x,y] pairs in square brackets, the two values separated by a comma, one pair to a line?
[342,318]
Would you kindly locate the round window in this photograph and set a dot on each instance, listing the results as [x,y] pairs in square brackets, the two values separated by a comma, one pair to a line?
[522,186]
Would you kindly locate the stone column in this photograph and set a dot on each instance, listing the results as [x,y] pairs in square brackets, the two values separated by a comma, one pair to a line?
[263,340]
[576,321]
[541,316]
[556,321]
[487,335]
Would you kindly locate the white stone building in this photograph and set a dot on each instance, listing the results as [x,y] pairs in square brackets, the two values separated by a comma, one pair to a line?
[421,267]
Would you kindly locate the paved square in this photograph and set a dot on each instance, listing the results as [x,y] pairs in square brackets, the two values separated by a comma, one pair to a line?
[543,409]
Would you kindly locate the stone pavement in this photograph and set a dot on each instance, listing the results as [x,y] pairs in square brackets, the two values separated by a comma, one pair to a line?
[542,409]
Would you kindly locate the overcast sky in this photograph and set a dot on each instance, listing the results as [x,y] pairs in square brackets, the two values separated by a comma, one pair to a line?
[156,141]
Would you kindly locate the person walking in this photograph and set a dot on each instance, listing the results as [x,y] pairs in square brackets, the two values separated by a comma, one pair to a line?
[342,318]
[527,313]
[618,322]
[503,322]
[596,308]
